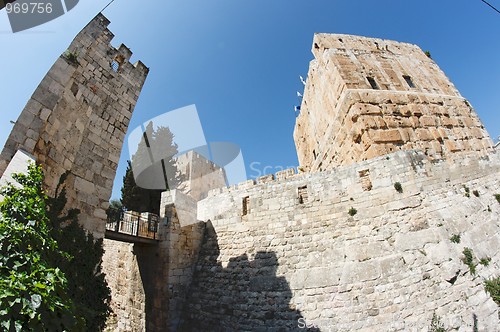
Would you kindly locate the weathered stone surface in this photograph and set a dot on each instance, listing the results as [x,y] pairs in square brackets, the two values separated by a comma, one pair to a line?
[61,125]
[344,119]
[156,277]
[389,267]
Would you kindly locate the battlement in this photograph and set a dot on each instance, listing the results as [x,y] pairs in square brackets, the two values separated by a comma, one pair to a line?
[96,36]
[227,205]
[372,238]
[367,97]
[77,118]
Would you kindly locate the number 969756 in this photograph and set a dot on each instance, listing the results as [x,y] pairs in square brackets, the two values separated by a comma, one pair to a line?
[28,8]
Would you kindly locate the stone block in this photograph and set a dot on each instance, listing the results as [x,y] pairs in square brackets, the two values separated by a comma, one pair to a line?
[84,186]
[387,136]
[281,175]
[265,179]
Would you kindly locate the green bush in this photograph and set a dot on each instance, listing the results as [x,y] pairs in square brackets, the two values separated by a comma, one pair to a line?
[485,261]
[50,268]
[33,291]
[436,324]
[476,193]
[492,286]
[455,238]
[71,56]
[469,260]
[497,196]
[352,211]
[467,191]
[398,187]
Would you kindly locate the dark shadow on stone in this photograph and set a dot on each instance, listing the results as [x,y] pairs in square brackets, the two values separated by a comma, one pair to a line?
[245,296]
[149,268]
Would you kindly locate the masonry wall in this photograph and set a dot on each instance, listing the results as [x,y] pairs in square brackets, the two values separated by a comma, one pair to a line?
[150,283]
[199,175]
[128,296]
[77,118]
[296,260]
[344,120]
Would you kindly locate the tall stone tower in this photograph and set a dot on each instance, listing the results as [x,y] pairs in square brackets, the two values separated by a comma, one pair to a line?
[367,97]
[77,118]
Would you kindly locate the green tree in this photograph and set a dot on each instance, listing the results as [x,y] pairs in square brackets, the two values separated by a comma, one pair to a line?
[115,210]
[155,145]
[33,291]
[50,268]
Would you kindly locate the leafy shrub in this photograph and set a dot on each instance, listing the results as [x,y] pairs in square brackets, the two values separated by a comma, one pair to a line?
[115,211]
[398,187]
[455,238]
[492,286]
[497,196]
[71,56]
[352,211]
[33,291]
[469,260]
[50,268]
[467,191]
[436,324]
[476,193]
[485,261]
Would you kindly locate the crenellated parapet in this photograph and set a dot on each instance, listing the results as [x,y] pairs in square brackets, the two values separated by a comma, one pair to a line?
[77,118]
[251,201]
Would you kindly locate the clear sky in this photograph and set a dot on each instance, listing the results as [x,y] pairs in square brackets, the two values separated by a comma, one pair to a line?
[239,60]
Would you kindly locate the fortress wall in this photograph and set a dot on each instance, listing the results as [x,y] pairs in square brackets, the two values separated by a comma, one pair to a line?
[150,283]
[348,122]
[77,118]
[389,267]
[120,263]
[198,175]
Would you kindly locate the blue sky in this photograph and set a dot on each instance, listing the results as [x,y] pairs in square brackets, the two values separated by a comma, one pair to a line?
[239,60]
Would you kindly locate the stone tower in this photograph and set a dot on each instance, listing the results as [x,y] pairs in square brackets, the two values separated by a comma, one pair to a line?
[368,97]
[77,118]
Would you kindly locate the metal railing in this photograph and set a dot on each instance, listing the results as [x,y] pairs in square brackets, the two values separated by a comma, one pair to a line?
[136,224]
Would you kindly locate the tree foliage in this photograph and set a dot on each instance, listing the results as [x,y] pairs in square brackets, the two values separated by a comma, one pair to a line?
[492,286]
[114,211]
[50,268]
[33,291]
[159,142]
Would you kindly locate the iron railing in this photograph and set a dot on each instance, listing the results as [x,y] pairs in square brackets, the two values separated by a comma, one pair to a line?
[136,224]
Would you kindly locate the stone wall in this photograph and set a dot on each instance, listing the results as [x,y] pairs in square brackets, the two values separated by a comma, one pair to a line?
[77,118]
[199,175]
[295,255]
[128,297]
[150,283]
[367,97]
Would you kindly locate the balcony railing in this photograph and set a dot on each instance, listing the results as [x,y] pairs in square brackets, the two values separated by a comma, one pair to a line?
[144,225]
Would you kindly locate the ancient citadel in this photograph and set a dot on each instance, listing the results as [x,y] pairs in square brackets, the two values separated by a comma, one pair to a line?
[358,240]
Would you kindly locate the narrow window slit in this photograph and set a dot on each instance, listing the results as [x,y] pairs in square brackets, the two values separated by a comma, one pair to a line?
[303,196]
[373,83]
[246,205]
[409,81]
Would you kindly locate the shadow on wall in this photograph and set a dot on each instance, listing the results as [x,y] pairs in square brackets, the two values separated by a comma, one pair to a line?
[244,296]
[147,260]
